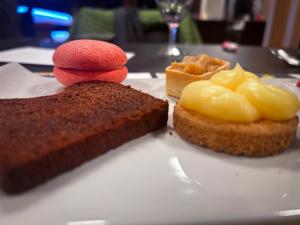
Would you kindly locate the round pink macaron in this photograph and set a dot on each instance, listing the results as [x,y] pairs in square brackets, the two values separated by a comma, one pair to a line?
[71,76]
[89,55]
[85,60]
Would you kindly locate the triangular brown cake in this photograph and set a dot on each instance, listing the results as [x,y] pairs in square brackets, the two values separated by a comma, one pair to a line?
[45,136]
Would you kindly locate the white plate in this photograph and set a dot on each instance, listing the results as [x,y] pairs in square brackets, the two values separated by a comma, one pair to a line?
[160,179]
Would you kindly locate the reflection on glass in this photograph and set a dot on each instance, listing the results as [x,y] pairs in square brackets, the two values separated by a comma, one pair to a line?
[173,11]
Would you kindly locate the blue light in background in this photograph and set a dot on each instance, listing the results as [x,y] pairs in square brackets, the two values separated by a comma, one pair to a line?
[59,35]
[22,9]
[52,14]
[51,17]
[47,16]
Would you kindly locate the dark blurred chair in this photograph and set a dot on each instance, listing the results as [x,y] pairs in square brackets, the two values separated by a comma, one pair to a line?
[253,33]
[212,31]
[153,26]
[9,19]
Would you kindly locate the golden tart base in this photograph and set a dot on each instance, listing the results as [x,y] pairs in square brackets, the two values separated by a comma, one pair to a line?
[261,138]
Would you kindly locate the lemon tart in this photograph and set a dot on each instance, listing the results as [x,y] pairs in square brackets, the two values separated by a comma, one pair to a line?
[236,113]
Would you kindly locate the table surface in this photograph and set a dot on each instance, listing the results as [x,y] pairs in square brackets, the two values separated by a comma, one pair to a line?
[148,57]
[255,59]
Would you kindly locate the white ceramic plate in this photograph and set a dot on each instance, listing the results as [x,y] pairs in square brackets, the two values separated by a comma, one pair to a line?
[158,179]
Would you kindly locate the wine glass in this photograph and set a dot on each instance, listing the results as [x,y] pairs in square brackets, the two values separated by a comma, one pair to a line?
[173,12]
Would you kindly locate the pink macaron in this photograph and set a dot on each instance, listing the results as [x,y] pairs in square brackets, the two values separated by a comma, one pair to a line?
[71,76]
[86,60]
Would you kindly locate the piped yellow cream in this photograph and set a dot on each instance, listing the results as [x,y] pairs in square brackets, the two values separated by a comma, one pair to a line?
[240,96]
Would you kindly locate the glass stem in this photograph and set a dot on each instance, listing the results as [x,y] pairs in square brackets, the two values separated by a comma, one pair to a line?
[173,28]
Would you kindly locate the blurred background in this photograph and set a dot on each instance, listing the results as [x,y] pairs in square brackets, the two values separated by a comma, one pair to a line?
[268,23]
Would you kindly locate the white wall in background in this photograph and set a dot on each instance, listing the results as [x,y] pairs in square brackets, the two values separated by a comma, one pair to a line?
[212,9]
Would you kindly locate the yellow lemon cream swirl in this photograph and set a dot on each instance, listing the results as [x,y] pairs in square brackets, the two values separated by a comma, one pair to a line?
[240,96]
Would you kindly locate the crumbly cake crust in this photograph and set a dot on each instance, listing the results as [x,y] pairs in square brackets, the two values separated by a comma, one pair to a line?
[45,136]
[262,138]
